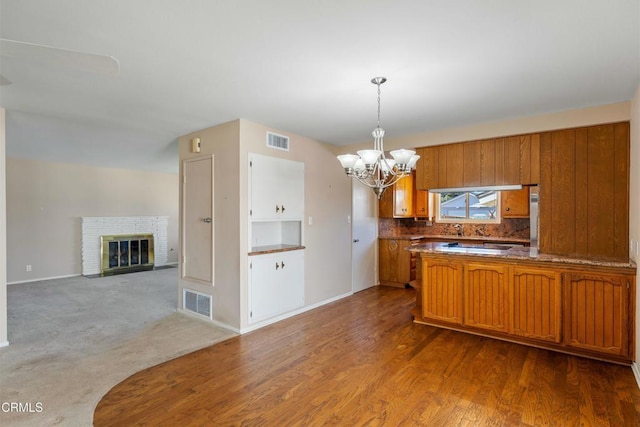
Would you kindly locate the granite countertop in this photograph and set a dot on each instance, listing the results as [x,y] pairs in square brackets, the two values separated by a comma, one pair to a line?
[261,250]
[513,253]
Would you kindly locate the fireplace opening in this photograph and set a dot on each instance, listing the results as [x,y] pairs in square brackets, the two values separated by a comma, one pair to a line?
[126,253]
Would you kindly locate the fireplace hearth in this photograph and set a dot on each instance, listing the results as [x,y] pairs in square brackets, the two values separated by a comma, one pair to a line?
[126,253]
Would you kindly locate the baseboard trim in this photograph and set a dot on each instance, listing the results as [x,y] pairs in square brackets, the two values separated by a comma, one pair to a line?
[206,320]
[636,372]
[4,344]
[18,282]
[294,313]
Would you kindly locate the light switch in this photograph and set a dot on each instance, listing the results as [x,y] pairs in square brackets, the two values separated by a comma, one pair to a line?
[310,220]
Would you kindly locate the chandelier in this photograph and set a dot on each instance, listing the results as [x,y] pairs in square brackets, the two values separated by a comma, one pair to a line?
[371,167]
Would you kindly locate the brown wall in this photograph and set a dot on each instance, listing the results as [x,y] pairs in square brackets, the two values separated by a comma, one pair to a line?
[45,201]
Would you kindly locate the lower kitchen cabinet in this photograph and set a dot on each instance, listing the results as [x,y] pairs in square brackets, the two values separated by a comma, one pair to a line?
[442,290]
[597,312]
[577,309]
[486,296]
[536,303]
[276,284]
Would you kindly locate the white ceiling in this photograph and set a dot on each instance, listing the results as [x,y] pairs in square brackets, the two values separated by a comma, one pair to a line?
[301,66]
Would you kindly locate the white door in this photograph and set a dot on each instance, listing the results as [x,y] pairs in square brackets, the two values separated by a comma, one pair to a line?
[364,233]
[197,220]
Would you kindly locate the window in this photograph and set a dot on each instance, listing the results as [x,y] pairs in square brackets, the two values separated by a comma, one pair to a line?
[470,206]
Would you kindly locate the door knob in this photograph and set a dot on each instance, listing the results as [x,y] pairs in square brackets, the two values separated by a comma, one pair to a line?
[356,240]
[207,220]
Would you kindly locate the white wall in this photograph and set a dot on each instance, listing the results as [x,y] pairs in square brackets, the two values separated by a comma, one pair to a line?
[45,201]
[3,236]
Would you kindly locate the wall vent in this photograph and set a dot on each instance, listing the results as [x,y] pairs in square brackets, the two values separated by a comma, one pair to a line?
[196,302]
[280,142]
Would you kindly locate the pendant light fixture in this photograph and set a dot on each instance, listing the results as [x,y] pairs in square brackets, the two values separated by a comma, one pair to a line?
[371,167]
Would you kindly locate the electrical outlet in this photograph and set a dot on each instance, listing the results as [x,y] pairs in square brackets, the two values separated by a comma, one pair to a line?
[28,268]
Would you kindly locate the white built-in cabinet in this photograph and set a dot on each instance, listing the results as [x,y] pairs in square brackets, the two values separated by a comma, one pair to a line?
[276,256]
[277,188]
[276,284]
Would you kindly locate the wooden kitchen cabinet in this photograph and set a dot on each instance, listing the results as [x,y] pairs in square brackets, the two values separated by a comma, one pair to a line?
[397,201]
[514,203]
[421,204]
[397,267]
[597,312]
[486,296]
[442,290]
[536,303]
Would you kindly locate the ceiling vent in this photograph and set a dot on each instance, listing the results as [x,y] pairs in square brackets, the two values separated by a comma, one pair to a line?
[279,142]
[197,303]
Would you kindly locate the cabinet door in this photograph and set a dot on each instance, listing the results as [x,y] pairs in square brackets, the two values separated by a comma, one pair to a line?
[486,297]
[403,197]
[421,204]
[597,312]
[277,188]
[442,290]
[515,203]
[428,168]
[291,183]
[536,304]
[290,286]
[263,296]
[394,262]
[264,187]
[276,284]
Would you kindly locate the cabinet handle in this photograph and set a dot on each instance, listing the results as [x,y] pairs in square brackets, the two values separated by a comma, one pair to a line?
[508,209]
[207,220]
[282,265]
[277,266]
[282,208]
[277,209]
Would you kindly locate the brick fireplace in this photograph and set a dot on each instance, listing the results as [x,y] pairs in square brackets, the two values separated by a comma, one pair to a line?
[129,229]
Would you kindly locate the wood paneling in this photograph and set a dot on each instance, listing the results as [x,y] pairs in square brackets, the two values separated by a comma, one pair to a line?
[442,290]
[428,168]
[362,361]
[454,159]
[472,170]
[597,313]
[537,304]
[486,292]
[584,192]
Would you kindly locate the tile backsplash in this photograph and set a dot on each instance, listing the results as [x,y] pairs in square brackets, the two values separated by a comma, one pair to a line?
[509,228]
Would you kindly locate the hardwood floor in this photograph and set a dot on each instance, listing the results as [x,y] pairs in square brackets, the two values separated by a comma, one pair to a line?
[362,361]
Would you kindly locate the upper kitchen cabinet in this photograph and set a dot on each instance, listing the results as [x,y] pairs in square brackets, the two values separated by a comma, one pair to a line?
[514,203]
[497,161]
[277,188]
[397,201]
[584,192]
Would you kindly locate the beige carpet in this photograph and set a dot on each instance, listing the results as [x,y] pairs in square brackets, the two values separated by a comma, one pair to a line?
[73,339]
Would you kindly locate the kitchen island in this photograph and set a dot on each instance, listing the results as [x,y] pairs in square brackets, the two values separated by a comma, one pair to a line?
[573,305]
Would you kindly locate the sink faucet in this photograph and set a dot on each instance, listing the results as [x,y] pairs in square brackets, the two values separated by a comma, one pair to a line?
[459,228]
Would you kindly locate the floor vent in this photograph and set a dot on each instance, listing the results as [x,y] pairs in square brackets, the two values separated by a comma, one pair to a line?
[196,302]
[280,142]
